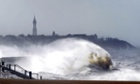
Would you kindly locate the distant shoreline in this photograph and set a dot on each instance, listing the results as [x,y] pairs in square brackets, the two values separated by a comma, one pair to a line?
[23,40]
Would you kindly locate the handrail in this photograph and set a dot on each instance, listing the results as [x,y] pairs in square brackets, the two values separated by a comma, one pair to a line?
[26,70]
[26,73]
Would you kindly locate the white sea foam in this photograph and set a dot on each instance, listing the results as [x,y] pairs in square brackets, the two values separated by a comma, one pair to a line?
[70,56]
[60,57]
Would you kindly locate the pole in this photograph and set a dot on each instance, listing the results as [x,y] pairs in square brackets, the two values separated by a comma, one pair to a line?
[30,75]
[2,63]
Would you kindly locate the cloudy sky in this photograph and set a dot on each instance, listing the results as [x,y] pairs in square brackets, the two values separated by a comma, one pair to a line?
[107,18]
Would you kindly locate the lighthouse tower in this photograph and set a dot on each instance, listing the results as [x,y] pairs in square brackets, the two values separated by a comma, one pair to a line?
[34,27]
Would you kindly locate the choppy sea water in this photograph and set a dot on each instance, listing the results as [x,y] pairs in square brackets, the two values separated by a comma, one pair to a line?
[67,59]
[126,62]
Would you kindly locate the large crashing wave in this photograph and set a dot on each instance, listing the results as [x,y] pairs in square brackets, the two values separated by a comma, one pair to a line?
[67,56]
[63,56]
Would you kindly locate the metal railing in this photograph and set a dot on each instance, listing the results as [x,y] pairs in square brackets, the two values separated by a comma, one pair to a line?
[19,71]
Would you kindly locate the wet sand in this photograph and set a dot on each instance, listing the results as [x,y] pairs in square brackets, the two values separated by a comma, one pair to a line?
[23,81]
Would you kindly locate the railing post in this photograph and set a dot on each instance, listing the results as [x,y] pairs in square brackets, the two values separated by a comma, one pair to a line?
[37,75]
[40,77]
[14,67]
[30,75]
[25,72]
[2,63]
[0,67]
[9,66]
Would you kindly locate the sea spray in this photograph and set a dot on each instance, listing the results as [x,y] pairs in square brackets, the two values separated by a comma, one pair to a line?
[64,56]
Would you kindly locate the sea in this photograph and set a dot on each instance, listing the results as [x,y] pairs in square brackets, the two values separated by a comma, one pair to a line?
[68,59]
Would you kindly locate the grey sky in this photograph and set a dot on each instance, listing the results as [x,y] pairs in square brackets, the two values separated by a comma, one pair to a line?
[113,18]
